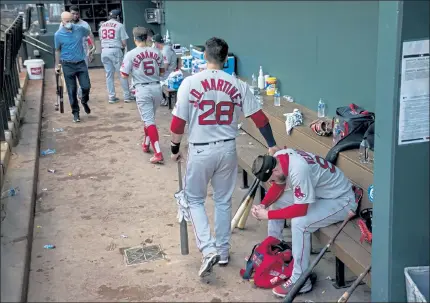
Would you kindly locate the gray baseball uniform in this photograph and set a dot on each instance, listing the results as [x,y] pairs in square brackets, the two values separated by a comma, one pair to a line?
[312,180]
[171,59]
[111,34]
[143,64]
[211,103]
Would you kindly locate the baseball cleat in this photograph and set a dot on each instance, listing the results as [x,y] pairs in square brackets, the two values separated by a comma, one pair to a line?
[284,289]
[157,159]
[223,260]
[208,263]
[128,100]
[145,147]
[114,100]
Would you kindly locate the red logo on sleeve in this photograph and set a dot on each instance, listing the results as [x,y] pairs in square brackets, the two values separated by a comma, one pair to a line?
[298,193]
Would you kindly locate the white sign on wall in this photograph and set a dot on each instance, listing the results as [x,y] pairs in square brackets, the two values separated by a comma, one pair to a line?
[414,126]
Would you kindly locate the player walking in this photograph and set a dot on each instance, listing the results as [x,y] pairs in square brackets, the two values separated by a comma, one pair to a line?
[145,64]
[307,189]
[211,103]
[170,60]
[113,39]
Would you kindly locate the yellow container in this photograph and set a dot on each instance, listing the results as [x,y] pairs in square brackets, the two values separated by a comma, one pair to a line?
[271,86]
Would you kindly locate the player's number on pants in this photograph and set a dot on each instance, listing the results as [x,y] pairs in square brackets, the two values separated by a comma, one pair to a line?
[325,164]
[148,68]
[108,33]
[222,109]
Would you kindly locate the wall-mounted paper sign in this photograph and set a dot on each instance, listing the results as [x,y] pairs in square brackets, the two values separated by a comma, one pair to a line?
[414,126]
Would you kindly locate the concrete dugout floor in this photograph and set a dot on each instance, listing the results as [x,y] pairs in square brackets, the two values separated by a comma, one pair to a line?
[105,187]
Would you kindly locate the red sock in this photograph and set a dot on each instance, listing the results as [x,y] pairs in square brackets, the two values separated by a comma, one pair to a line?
[153,136]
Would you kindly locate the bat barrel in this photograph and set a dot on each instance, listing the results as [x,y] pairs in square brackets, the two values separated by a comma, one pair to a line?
[184,238]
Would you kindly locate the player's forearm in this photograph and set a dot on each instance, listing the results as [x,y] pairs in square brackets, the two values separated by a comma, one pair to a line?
[176,138]
[177,128]
[293,211]
[263,125]
[275,191]
[124,75]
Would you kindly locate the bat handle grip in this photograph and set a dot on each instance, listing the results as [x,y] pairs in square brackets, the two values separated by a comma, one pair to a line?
[180,175]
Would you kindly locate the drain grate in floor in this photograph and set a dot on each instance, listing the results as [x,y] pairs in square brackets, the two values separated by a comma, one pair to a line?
[141,254]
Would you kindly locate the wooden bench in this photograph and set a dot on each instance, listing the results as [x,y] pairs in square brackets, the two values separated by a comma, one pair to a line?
[347,247]
[169,94]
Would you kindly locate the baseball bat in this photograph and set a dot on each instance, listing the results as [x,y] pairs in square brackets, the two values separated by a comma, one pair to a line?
[183,224]
[306,274]
[245,215]
[57,103]
[354,285]
[248,199]
[61,90]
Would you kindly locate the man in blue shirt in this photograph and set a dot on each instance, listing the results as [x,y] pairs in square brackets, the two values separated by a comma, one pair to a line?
[70,53]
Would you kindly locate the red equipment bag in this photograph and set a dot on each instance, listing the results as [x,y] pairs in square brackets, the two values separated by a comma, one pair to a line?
[270,263]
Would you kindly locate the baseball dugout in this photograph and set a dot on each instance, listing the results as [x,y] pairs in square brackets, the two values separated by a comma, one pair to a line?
[347,248]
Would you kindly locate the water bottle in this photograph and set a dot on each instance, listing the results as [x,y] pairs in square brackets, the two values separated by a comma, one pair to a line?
[10,193]
[277,98]
[321,109]
[363,152]
[48,152]
[49,246]
[336,132]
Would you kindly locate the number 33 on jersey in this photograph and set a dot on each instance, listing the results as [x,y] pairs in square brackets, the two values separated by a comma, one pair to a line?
[211,103]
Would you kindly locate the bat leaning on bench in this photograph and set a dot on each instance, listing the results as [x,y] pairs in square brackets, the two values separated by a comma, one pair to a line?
[245,206]
[354,285]
[307,273]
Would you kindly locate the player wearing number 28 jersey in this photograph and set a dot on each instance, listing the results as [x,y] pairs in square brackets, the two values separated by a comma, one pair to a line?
[145,65]
[310,191]
[211,102]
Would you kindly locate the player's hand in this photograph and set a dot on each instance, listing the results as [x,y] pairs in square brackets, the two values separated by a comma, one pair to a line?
[273,150]
[177,157]
[256,207]
[260,213]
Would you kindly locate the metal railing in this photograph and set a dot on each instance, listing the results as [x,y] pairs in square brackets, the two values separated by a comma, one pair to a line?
[11,40]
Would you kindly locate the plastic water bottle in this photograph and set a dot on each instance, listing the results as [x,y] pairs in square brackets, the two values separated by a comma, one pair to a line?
[261,79]
[10,192]
[48,152]
[363,151]
[336,132]
[49,246]
[277,98]
[254,87]
[321,109]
